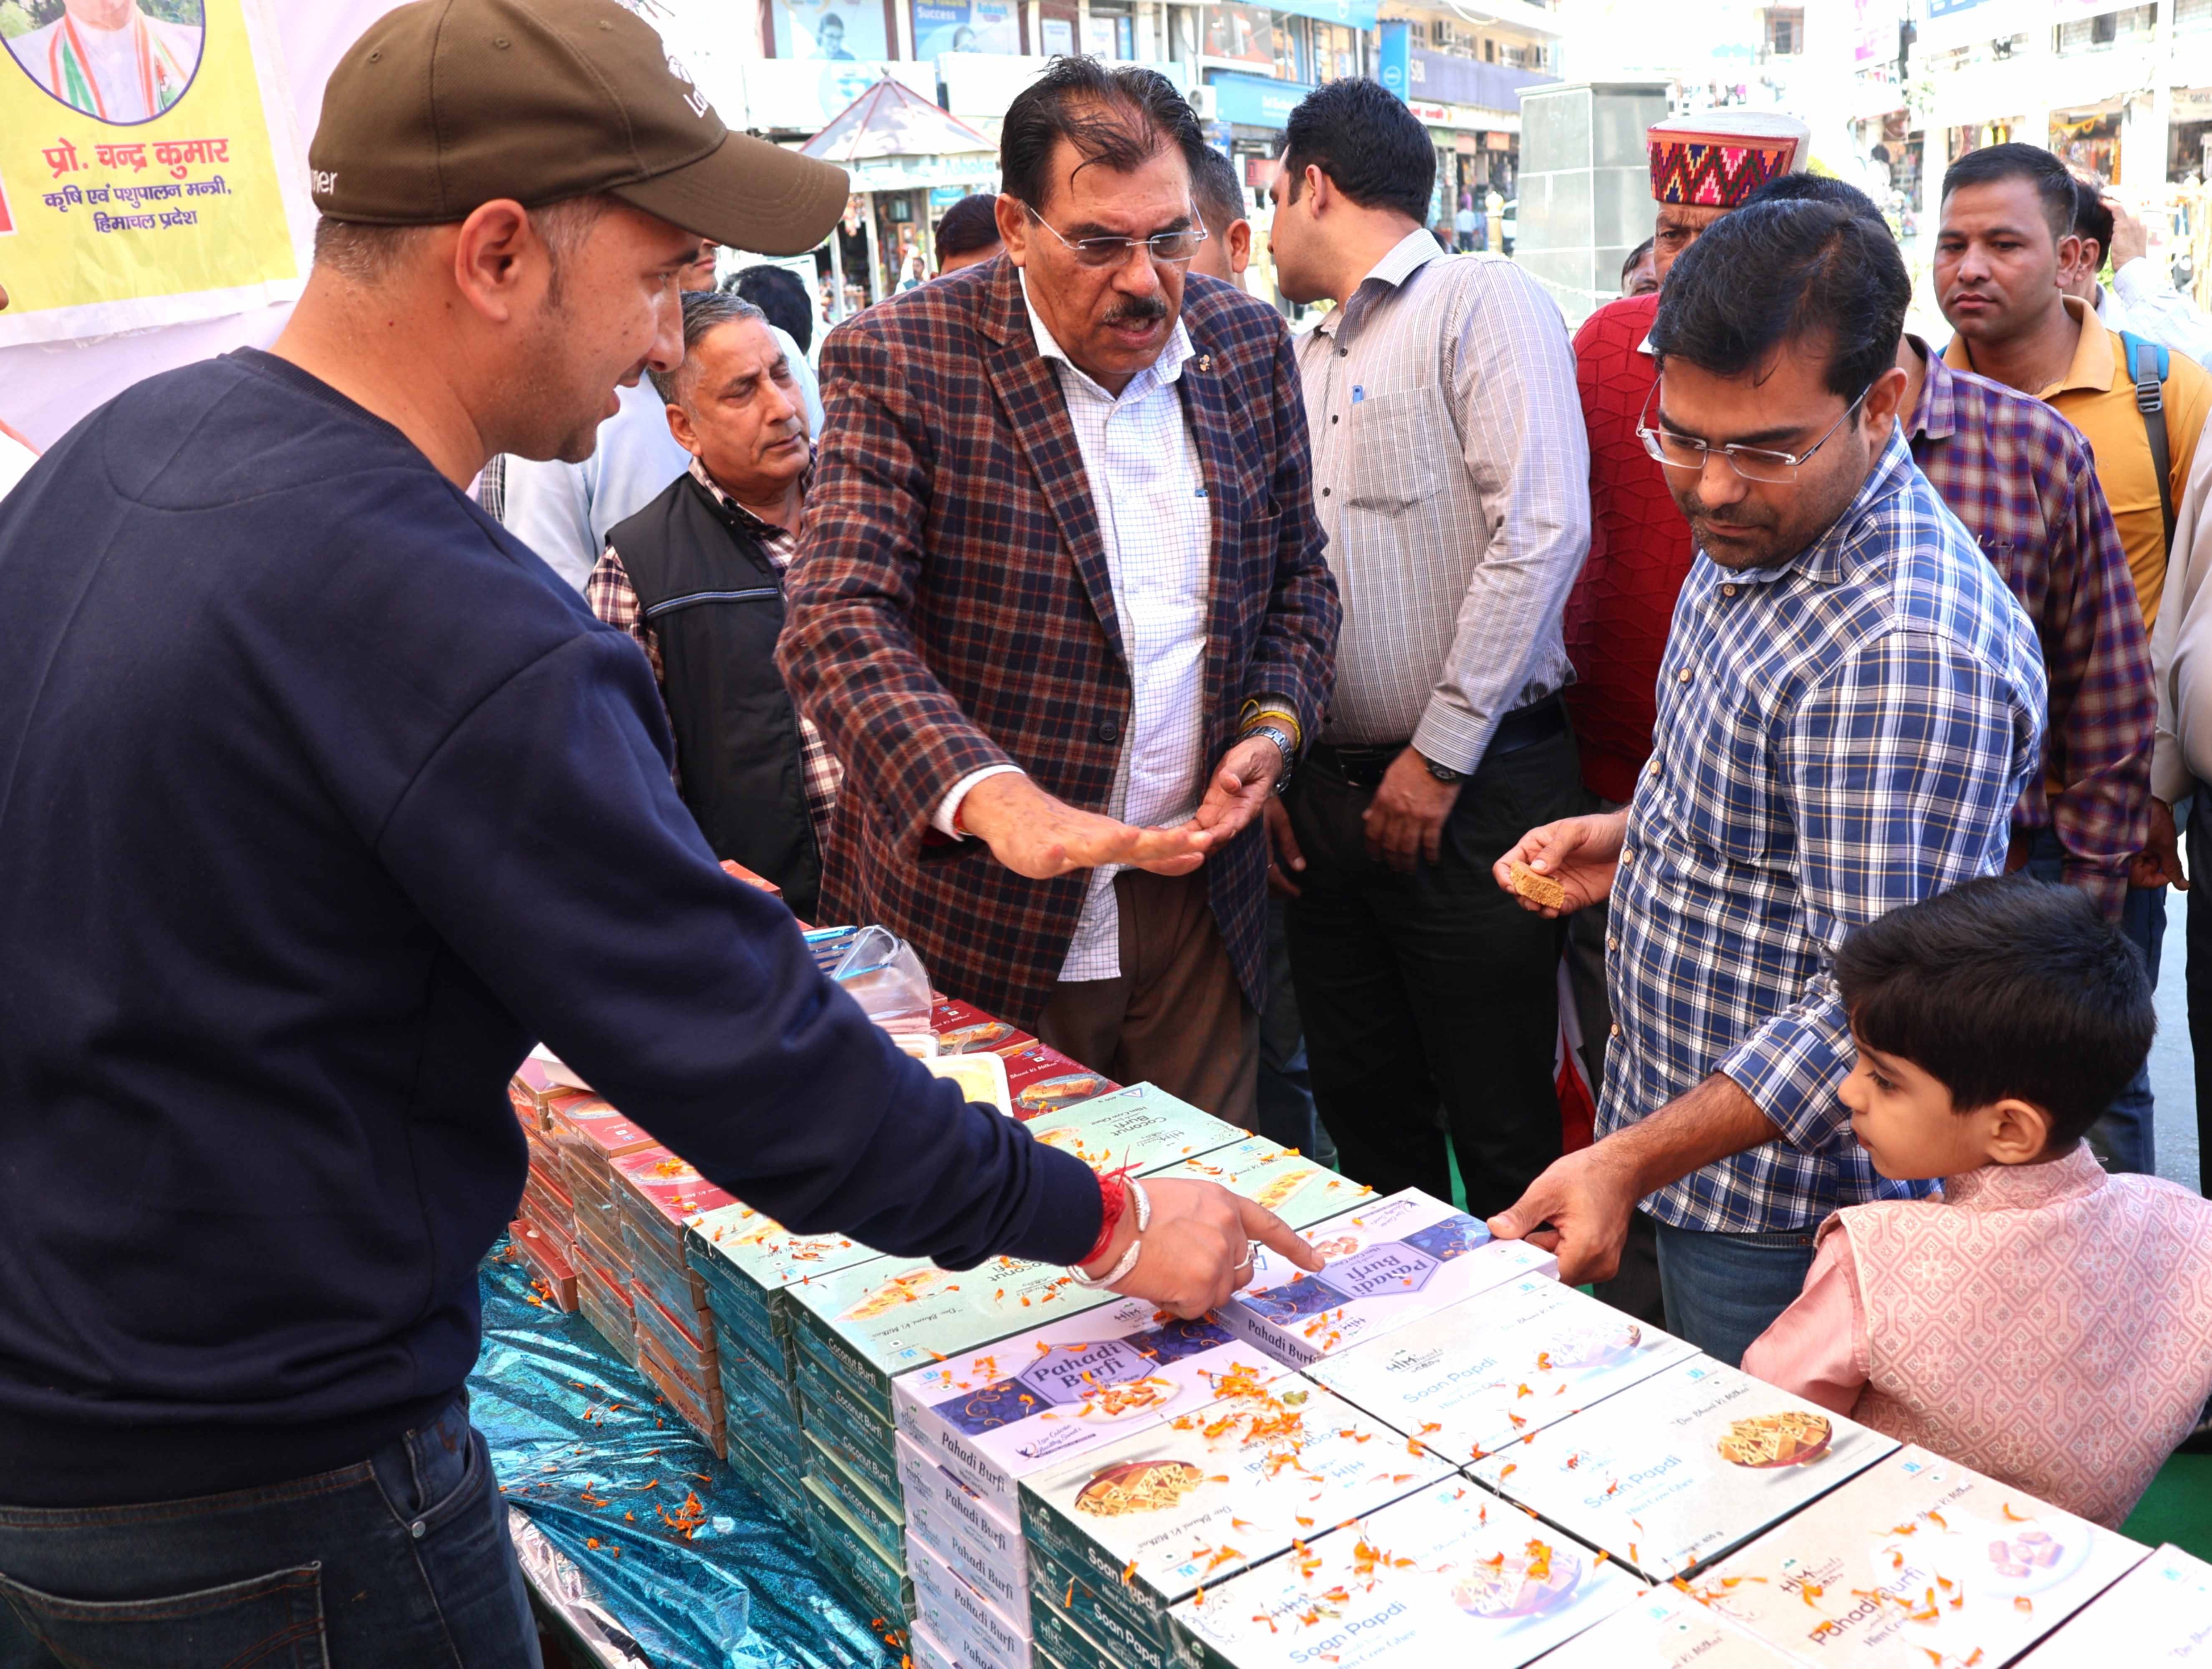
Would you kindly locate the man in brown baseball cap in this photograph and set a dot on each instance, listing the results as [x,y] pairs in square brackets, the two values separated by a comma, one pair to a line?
[321,797]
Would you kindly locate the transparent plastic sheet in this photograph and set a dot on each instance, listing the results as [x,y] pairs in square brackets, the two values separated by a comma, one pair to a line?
[575,1435]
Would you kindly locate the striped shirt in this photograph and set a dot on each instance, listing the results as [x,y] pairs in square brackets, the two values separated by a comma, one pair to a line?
[613,599]
[2021,477]
[1838,734]
[1452,476]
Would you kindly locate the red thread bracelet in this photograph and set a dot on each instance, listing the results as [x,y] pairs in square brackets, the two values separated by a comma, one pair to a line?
[1113,1206]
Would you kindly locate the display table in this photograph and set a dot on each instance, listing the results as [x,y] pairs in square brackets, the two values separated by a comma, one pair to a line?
[604,1483]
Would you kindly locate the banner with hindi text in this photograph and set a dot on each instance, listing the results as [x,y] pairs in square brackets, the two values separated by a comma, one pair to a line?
[150,165]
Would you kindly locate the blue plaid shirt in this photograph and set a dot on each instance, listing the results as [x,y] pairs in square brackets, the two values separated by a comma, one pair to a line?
[1837,736]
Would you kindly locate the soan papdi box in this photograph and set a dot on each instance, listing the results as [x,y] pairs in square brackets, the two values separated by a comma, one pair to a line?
[1920,1561]
[1500,1365]
[1451,1575]
[1390,1261]
[1667,1629]
[1682,1467]
[1141,1524]
[996,1415]
[2159,1612]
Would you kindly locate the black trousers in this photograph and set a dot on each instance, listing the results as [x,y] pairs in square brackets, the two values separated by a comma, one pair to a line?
[1431,1000]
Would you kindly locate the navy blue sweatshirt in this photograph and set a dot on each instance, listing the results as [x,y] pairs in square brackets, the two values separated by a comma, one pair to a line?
[321,797]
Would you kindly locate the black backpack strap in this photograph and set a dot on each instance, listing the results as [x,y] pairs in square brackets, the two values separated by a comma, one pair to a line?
[2147,364]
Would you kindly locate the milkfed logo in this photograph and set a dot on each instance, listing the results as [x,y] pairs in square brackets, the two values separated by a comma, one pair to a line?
[326,182]
[695,99]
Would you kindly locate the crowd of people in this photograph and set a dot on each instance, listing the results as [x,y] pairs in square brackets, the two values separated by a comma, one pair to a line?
[1330,729]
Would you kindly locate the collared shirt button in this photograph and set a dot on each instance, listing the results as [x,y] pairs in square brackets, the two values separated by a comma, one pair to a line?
[1613,941]
[1627,858]
[1110,732]
[1332,417]
[1616,1029]
[1683,677]
[1654,768]
[1728,591]
[1324,492]
[1343,353]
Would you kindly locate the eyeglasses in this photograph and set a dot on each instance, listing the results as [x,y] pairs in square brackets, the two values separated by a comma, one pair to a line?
[1679,452]
[1167,248]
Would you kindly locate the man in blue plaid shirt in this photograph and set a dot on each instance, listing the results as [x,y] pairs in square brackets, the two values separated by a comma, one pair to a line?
[1850,703]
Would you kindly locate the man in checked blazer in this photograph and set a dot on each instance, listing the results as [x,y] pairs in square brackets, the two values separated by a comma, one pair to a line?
[1060,606]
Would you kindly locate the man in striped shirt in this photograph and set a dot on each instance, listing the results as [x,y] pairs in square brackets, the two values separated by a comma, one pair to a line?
[1850,705]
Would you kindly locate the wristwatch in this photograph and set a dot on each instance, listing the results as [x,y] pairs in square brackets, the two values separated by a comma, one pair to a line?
[1283,746]
[1441,773]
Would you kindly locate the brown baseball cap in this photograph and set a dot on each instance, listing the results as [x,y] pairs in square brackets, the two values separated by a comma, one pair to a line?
[445,105]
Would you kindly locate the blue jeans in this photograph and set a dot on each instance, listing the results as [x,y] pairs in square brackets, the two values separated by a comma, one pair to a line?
[1722,1291]
[2125,1138]
[402,1558]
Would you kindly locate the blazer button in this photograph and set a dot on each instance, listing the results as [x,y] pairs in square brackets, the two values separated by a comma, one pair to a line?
[1110,732]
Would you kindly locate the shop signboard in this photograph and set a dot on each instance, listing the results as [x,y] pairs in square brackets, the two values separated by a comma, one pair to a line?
[803,97]
[1246,34]
[1393,57]
[965,26]
[1346,13]
[1255,101]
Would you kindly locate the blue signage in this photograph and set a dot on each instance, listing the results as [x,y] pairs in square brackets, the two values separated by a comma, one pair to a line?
[1255,101]
[1350,14]
[1392,57]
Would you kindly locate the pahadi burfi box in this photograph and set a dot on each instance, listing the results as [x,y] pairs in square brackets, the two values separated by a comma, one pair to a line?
[1142,1128]
[1919,1561]
[1390,1261]
[1683,1467]
[1449,1576]
[1500,1365]
[953,1522]
[996,1415]
[1149,1520]
[977,1633]
[2159,1612]
[1666,1629]
[1301,1190]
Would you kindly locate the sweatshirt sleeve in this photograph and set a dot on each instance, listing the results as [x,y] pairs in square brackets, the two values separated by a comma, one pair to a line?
[544,841]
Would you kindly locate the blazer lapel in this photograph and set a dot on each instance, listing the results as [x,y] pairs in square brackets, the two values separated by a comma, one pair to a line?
[1204,406]
[1030,391]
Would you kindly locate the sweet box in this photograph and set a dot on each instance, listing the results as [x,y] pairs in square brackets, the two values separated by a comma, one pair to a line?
[1450,1575]
[996,1415]
[1666,1629]
[1301,1190]
[1142,1128]
[1479,1375]
[1390,1261]
[1918,1561]
[978,1635]
[1682,1467]
[1141,1524]
[962,1528]
[1040,1079]
[2159,1612]
[964,1028]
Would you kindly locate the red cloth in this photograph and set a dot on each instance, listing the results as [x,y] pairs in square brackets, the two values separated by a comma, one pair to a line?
[1619,610]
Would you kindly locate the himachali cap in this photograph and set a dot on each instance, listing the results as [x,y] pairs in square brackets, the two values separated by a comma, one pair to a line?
[1717,158]
[443,105]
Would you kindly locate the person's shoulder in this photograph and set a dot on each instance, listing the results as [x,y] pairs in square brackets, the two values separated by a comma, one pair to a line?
[1226,316]
[1618,326]
[1994,416]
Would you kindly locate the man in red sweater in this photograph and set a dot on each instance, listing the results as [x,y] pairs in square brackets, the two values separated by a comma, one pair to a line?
[1619,611]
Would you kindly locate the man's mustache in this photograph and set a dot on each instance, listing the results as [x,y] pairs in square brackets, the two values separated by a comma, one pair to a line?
[1144,310]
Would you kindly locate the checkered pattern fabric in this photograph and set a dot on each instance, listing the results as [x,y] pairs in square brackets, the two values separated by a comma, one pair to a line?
[951,609]
[1837,735]
[2021,477]
[1456,496]
[613,599]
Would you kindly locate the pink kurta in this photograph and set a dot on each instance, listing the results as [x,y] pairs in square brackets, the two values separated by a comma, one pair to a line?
[2048,1325]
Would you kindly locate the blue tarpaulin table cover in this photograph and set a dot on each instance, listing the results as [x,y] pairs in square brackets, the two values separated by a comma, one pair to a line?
[654,1550]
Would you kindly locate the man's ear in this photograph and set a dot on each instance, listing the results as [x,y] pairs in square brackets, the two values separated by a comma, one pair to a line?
[679,425]
[1013,222]
[498,261]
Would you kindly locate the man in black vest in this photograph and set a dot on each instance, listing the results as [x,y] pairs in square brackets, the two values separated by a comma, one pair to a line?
[696,577]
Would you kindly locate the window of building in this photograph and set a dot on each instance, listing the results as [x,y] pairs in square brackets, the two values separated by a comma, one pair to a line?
[1335,52]
[2108,29]
[1292,54]
[1110,30]
[2191,16]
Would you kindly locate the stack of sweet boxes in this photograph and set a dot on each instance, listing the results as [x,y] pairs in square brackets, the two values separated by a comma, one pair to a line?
[657,1194]
[544,1232]
[1461,1460]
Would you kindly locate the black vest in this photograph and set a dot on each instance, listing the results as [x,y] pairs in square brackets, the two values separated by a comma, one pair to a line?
[715,602]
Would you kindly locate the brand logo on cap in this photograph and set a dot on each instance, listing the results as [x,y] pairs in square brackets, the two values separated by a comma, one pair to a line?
[326,182]
[694,99]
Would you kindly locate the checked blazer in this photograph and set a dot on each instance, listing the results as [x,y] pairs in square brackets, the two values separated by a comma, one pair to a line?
[951,609]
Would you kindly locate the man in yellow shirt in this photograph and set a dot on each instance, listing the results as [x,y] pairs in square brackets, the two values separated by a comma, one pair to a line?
[2006,249]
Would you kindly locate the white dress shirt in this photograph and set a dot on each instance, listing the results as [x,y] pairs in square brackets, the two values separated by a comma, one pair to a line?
[1156,523]
[2141,300]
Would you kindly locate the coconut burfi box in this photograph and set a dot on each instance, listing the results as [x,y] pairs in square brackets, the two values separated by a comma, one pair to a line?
[1390,1261]
[994,1417]
[1666,1629]
[1142,1128]
[1149,1520]
[1682,1467]
[1509,1361]
[1920,1561]
[2159,1612]
[1448,1576]
[874,1321]
[1301,1190]
[750,1258]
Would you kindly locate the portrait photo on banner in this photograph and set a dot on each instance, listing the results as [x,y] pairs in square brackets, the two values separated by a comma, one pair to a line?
[121,62]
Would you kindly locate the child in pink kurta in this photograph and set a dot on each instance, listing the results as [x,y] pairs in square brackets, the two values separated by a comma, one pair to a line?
[2043,1322]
